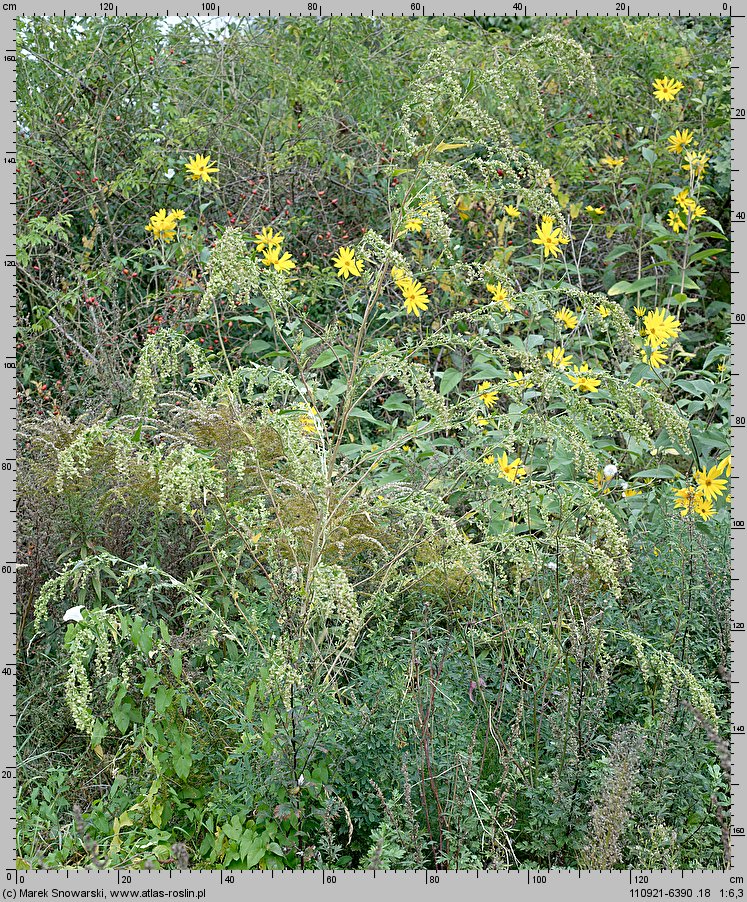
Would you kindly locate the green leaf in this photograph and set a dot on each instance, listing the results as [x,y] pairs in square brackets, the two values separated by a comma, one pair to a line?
[245,318]
[716,353]
[182,761]
[622,287]
[534,341]
[618,252]
[163,699]
[648,155]
[708,252]
[661,252]
[360,414]
[663,472]
[449,380]
[258,345]
[255,851]
[250,701]
[156,812]
[121,717]
[641,284]
[175,662]
[625,287]
[331,355]
[151,678]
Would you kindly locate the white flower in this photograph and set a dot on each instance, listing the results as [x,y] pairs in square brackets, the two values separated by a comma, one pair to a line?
[301,780]
[74,613]
[610,470]
[170,173]
[552,565]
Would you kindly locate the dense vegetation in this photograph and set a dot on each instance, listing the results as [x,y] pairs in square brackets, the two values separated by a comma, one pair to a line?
[374,452]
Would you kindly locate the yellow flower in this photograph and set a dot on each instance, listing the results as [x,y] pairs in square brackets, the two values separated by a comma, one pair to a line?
[463,205]
[612,162]
[603,311]
[725,466]
[697,163]
[414,294]
[680,140]
[162,226]
[675,221]
[267,239]
[346,263]
[660,327]
[178,214]
[600,482]
[710,485]
[631,493]
[307,422]
[282,264]
[639,311]
[566,317]
[500,295]
[558,357]
[698,212]
[549,238]
[201,167]
[585,383]
[684,499]
[683,199]
[520,380]
[512,211]
[497,291]
[703,507]
[654,357]
[414,224]
[666,89]
[398,274]
[512,471]
[490,459]
[598,210]
[488,395]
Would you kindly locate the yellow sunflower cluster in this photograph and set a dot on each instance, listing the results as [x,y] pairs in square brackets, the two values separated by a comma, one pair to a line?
[415,297]
[510,470]
[163,225]
[582,379]
[659,328]
[687,209]
[268,244]
[709,484]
